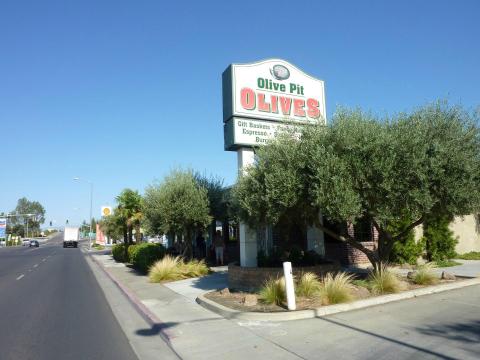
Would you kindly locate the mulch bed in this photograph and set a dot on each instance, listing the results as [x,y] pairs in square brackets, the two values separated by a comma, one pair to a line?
[234,300]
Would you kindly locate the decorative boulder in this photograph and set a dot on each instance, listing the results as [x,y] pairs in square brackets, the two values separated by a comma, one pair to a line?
[250,300]
[448,276]
[225,291]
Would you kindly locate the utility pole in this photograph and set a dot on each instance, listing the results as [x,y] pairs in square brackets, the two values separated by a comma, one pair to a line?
[91,202]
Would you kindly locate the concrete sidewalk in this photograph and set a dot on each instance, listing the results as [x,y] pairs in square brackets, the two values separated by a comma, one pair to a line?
[440,326]
[192,331]
[468,268]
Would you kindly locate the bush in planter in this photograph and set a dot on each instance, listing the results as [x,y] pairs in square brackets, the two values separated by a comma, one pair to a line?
[145,255]
[118,253]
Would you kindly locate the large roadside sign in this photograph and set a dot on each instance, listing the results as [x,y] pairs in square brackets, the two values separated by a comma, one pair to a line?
[262,98]
[3,227]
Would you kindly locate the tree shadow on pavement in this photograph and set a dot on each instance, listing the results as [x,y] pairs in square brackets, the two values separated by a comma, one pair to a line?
[159,328]
[156,329]
[465,332]
[392,340]
[215,281]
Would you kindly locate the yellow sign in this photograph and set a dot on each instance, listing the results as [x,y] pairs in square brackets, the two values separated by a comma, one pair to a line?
[106,211]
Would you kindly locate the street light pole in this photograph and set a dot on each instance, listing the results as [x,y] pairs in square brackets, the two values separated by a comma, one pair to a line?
[91,202]
[90,233]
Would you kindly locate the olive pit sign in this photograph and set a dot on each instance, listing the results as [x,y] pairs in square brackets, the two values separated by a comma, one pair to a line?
[261,98]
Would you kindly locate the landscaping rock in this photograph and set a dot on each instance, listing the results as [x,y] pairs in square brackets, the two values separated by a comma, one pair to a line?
[225,291]
[448,276]
[361,292]
[411,275]
[250,300]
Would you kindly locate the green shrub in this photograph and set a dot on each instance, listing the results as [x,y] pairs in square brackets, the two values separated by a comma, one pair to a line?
[273,291]
[439,239]
[130,251]
[174,268]
[384,281]
[472,255]
[336,288]
[447,263]
[425,275]
[308,285]
[406,250]
[118,253]
[145,255]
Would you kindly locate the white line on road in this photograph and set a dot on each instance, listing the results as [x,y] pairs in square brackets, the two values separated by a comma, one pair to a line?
[44,259]
[35,265]
[21,276]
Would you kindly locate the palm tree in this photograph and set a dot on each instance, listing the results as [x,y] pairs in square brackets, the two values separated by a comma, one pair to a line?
[130,210]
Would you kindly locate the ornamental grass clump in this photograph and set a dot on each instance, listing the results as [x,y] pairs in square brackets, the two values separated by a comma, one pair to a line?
[384,281]
[308,285]
[175,268]
[425,274]
[193,268]
[273,291]
[336,288]
[165,269]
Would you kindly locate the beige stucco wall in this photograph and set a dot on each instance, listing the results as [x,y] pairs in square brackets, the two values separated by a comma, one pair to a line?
[467,229]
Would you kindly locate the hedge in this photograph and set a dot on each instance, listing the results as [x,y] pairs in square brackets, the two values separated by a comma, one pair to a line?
[145,255]
[130,251]
[118,252]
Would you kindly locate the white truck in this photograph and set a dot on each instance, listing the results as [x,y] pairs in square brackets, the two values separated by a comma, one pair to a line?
[70,237]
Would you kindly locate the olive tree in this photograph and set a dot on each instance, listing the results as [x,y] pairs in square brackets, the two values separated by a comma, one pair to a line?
[363,167]
[177,205]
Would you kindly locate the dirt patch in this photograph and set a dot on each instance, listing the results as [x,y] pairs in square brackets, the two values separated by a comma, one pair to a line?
[235,300]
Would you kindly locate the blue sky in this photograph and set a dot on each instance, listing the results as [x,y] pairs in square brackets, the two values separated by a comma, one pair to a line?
[120,92]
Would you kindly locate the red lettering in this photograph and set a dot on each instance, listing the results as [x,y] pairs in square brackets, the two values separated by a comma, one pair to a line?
[262,105]
[285,105]
[298,105]
[313,111]
[247,98]
[274,101]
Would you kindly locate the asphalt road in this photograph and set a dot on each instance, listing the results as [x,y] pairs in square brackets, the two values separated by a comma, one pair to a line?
[51,307]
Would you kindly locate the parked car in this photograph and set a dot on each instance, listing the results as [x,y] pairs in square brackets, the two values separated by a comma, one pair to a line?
[26,242]
[34,243]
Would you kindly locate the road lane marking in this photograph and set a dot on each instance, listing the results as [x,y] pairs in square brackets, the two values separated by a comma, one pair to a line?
[44,259]
[35,265]
[21,276]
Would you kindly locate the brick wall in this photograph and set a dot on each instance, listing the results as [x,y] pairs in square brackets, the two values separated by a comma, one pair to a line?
[252,278]
[346,253]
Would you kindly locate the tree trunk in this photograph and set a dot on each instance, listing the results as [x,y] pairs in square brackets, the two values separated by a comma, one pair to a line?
[188,252]
[371,255]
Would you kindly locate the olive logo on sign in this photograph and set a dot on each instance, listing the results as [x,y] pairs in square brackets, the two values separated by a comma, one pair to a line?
[280,72]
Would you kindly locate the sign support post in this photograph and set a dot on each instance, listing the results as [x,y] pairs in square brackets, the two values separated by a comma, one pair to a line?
[248,236]
[260,101]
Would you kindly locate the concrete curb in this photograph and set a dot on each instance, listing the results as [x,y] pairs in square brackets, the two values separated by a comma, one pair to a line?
[332,309]
[144,312]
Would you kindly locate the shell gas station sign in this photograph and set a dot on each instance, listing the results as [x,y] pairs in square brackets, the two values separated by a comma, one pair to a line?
[106,210]
[262,98]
